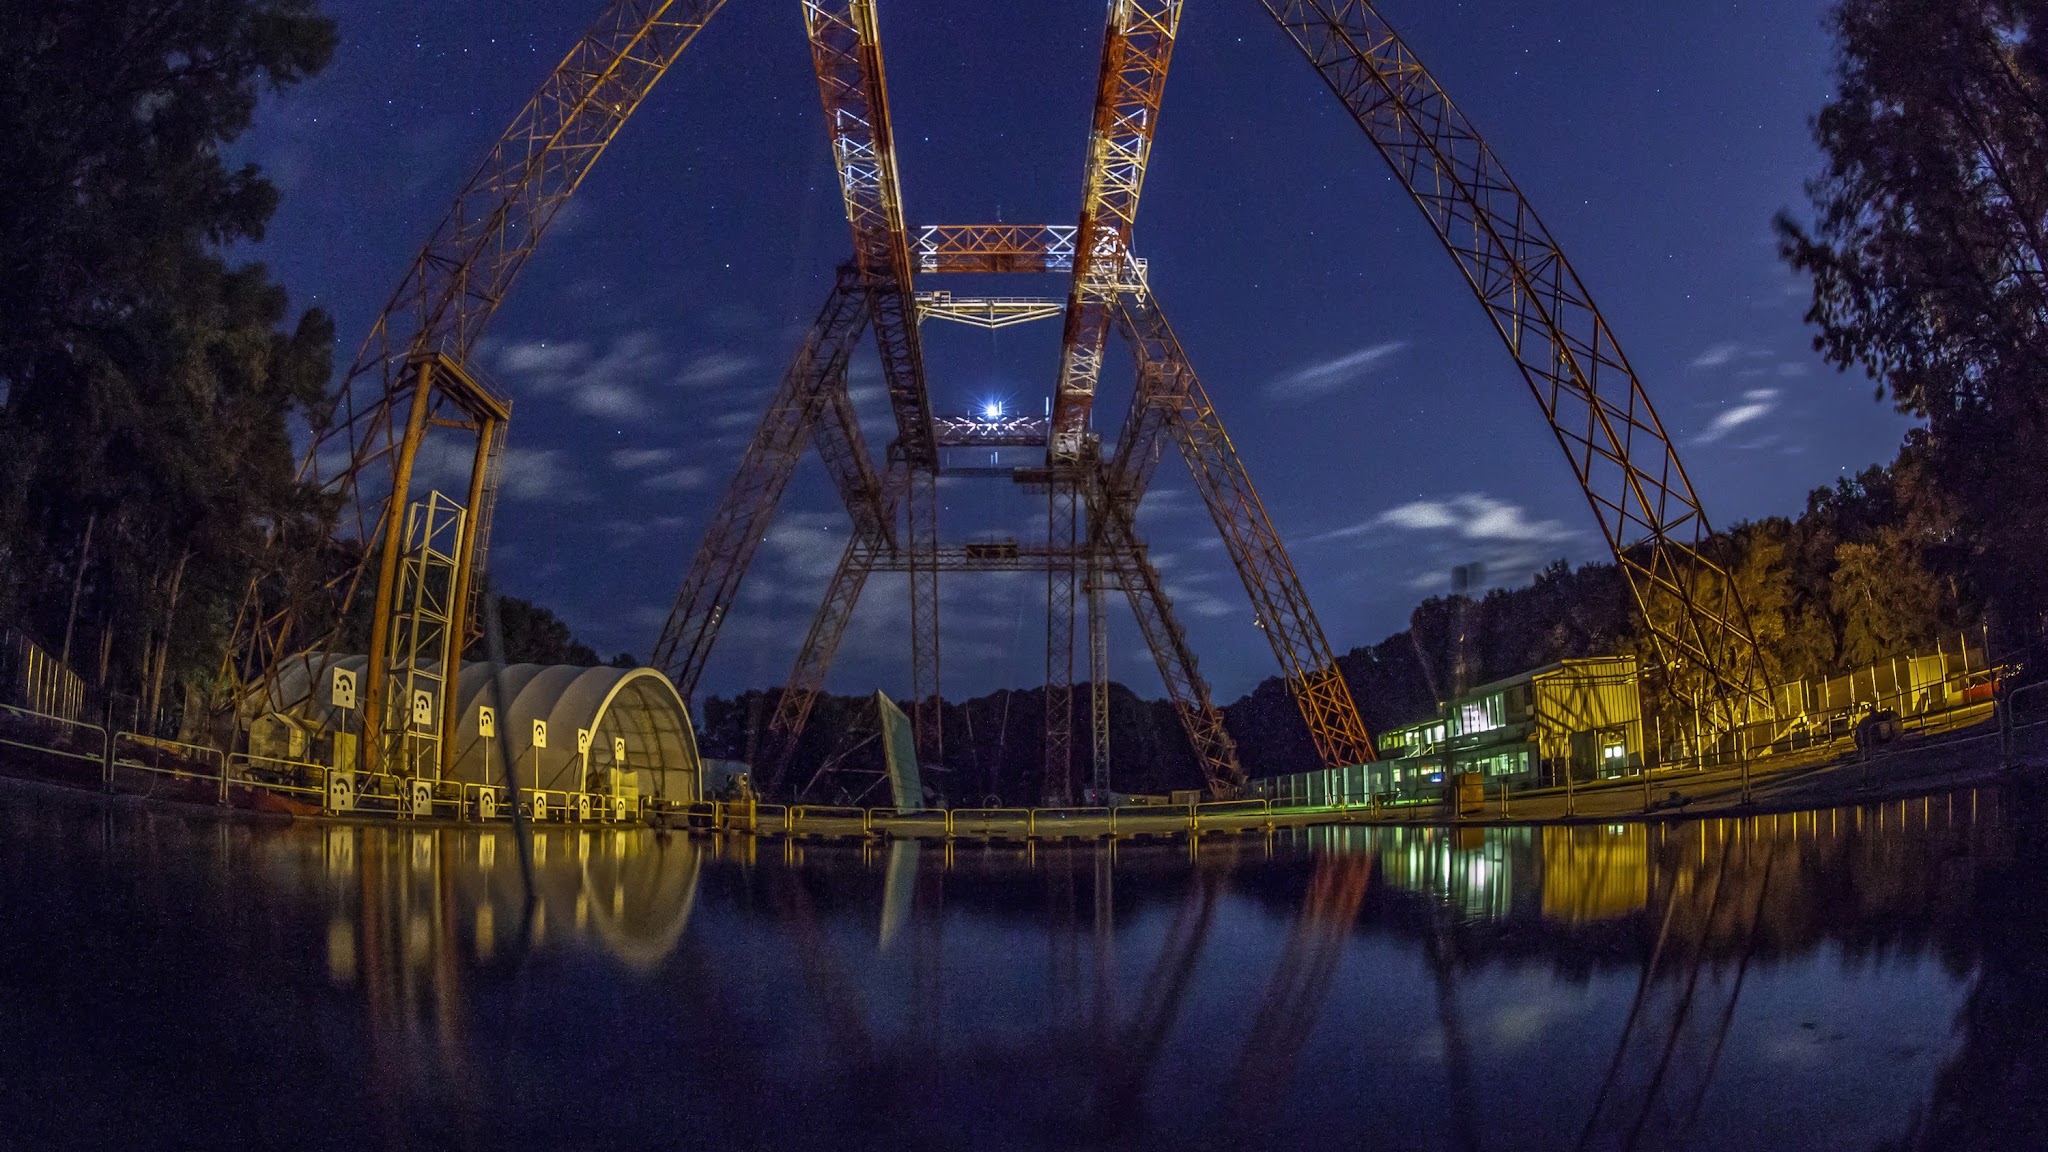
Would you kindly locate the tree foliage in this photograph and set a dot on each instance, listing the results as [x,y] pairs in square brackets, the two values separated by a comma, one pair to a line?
[147,385]
[1929,256]
[532,634]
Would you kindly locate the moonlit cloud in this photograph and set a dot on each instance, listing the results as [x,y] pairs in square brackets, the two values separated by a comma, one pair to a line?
[633,459]
[679,480]
[1327,376]
[1471,516]
[1757,403]
[540,475]
[607,398]
[597,385]
[717,368]
[531,357]
[1721,355]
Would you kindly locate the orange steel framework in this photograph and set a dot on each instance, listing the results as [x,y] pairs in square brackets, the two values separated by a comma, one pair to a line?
[411,376]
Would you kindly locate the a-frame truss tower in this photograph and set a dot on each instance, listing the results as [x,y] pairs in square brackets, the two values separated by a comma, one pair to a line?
[413,375]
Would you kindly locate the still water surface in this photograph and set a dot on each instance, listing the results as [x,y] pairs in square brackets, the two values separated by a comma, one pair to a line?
[1858,979]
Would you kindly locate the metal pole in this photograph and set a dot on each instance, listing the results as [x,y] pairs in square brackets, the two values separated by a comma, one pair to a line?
[1646,781]
[1742,755]
[387,570]
[459,597]
[107,747]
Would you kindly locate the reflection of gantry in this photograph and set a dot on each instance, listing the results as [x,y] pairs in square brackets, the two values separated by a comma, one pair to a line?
[1587,391]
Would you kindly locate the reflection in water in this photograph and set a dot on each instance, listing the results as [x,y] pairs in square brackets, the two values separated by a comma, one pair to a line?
[1622,986]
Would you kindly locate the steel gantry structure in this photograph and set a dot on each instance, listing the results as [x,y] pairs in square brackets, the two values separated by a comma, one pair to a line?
[413,376]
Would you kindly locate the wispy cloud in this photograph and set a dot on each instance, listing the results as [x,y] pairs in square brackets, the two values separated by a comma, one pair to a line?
[1726,353]
[716,368]
[541,475]
[597,384]
[677,480]
[606,398]
[634,459]
[541,357]
[1471,515]
[1327,376]
[1757,403]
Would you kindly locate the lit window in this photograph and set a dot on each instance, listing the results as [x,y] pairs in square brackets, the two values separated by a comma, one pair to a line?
[1480,715]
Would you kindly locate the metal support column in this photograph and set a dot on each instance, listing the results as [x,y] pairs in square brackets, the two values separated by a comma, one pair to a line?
[1098,672]
[375,688]
[1062,514]
[924,614]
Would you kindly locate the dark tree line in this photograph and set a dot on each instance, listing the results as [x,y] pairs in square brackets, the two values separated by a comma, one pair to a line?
[148,386]
[1928,253]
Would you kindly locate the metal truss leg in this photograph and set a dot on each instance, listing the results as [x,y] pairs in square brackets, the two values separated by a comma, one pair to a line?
[924,615]
[1098,672]
[743,515]
[1213,747]
[1166,380]
[1062,514]
[814,660]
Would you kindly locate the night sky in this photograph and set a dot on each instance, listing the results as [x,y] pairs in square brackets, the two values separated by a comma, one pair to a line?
[1377,410]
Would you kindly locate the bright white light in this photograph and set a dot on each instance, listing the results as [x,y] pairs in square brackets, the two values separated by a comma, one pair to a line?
[993,410]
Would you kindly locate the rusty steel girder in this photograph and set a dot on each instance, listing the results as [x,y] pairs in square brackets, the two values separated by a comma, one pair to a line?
[1120,550]
[846,50]
[923,537]
[947,248]
[1063,514]
[814,660]
[1137,46]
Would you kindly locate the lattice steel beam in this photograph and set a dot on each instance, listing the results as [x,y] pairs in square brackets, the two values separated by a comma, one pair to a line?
[1098,672]
[846,50]
[925,708]
[814,660]
[1116,541]
[743,514]
[864,554]
[944,248]
[991,312]
[844,451]
[992,432]
[1137,46]
[1169,383]
[1063,511]
[443,305]
[1594,401]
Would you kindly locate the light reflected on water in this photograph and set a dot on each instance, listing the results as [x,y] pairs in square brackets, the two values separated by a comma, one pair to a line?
[1602,986]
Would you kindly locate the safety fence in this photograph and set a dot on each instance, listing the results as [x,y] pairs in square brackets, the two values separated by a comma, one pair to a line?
[35,681]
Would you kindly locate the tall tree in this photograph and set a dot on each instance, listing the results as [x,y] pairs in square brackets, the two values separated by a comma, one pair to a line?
[147,386]
[1929,257]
